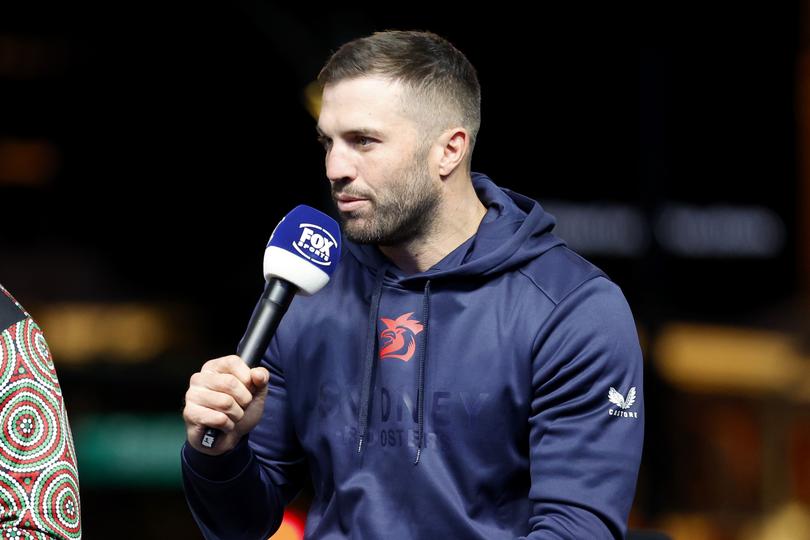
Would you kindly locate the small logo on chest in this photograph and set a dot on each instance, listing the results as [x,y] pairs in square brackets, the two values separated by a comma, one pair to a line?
[398,340]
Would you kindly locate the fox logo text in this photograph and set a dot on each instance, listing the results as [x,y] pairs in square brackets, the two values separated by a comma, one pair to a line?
[315,244]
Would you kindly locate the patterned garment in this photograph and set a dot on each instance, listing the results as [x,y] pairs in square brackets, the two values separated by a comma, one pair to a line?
[39,482]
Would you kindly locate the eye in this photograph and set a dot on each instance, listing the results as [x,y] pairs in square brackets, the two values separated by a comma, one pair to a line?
[325,141]
[363,140]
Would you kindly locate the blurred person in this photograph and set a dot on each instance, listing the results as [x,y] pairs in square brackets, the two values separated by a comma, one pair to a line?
[463,375]
[39,482]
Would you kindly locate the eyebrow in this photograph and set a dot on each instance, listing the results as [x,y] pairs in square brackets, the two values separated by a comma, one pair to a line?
[365,131]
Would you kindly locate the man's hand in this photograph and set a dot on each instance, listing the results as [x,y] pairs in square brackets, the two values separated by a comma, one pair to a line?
[227,395]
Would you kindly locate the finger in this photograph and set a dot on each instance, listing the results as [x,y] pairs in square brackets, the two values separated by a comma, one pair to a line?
[216,401]
[225,383]
[203,417]
[260,377]
[231,364]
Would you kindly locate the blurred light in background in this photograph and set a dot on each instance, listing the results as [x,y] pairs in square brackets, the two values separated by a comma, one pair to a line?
[28,161]
[85,332]
[720,231]
[25,57]
[717,231]
[129,450]
[607,229]
[312,99]
[731,359]
[292,527]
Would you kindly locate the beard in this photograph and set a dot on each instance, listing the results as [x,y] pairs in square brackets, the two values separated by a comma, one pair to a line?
[403,210]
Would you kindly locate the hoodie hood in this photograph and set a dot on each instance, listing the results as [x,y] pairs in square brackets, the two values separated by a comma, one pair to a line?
[514,230]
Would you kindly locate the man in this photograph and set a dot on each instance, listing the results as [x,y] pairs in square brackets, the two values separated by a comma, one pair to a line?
[495,390]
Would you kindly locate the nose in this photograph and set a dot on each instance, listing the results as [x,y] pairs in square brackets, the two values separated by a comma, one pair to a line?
[339,165]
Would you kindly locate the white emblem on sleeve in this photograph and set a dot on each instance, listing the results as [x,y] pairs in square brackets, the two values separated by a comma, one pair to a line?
[623,403]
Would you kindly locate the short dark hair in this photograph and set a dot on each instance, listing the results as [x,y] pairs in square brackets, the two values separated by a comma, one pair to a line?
[442,79]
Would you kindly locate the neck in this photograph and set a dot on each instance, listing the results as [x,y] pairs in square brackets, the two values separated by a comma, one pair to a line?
[458,217]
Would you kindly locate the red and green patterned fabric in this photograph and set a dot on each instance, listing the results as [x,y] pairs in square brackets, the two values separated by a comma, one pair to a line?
[39,482]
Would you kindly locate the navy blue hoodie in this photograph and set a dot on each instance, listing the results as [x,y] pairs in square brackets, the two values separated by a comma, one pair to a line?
[497,395]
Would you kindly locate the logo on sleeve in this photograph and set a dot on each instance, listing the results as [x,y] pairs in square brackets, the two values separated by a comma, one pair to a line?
[399,337]
[622,403]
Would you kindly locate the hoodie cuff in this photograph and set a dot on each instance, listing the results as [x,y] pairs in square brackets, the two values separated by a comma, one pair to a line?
[219,468]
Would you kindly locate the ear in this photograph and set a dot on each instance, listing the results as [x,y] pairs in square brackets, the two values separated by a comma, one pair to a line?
[454,144]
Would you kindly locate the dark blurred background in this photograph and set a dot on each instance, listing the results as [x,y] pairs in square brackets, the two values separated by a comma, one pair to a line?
[148,150]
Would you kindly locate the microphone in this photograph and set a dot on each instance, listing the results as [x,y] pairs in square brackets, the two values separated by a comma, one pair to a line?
[300,257]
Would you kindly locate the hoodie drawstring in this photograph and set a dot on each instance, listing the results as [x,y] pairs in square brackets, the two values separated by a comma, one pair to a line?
[368,368]
[370,349]
[420,396]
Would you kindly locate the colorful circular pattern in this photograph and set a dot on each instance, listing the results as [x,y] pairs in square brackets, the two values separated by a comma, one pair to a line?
[8,357]
[33,436]
[36,354]
[12,499]
[39,495]
[56,492]
[70,449]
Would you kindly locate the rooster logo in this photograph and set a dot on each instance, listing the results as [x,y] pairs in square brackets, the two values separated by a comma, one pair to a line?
[399,337]
[617,399]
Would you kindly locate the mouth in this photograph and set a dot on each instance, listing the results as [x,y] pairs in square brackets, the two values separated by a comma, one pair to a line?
[346,203]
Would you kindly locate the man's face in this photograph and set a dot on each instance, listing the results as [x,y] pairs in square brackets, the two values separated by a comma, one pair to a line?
[378,167]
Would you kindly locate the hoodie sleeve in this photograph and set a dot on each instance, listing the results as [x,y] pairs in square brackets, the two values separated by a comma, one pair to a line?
[242,494]
[586,420]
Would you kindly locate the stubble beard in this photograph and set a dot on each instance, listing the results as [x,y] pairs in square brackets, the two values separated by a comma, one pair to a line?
[403,212]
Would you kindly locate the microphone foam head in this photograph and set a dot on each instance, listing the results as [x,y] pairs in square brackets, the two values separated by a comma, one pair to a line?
[304,249]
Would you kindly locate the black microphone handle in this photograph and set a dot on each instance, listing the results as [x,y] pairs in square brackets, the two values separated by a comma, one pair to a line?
[266,316]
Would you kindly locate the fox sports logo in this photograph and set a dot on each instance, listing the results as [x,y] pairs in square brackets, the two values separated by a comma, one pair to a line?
[315,244]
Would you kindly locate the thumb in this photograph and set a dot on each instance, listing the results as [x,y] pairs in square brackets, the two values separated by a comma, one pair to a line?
[259,376]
